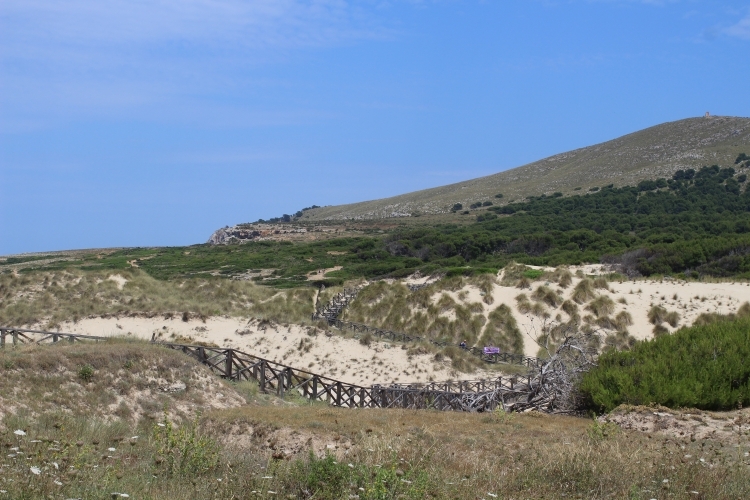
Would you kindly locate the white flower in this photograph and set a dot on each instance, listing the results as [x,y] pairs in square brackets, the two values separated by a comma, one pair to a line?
[492,495]
[134,437]
[57,467]
[111,449]
[19,432]
[351,466]
[161,425]
[57,482]
[124,495]
[35,441]
[36,471]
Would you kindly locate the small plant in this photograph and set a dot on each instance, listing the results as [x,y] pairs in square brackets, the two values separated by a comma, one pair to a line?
[86,373]
[183,451]
[601,431]
[503,417]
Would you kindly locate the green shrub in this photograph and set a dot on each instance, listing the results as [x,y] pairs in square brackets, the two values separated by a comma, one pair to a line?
[703,367]
[86,373]
[533,274]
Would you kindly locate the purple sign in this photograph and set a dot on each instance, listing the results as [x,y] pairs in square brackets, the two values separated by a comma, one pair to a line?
[491,350]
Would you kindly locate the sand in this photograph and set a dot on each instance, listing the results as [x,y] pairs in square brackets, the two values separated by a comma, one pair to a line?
[348,360]
[301,347]
[689,299]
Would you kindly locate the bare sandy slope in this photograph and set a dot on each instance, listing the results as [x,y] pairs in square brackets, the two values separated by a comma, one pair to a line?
[301,347]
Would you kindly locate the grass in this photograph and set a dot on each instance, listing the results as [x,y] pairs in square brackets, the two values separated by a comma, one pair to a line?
[133,380]
[391,454]
[582,169]
[286,449]
[53,297]
[394,307]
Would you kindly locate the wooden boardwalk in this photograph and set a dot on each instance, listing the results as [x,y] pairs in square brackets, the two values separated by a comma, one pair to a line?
[279,379]
[331,311]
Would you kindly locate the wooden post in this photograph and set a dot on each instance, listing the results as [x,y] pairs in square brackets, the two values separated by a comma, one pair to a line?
[2,339]
[228,365]
[15,338]
[338,393]
[315,388]
[262,378]
[55,337]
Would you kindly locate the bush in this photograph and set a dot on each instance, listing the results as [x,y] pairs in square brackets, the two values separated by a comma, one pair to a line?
[702,367]
[86,373]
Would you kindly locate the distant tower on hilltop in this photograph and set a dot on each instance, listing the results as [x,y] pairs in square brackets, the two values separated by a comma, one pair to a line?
[708,115]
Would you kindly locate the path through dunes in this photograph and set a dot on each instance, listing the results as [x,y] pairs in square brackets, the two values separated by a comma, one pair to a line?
[515,393]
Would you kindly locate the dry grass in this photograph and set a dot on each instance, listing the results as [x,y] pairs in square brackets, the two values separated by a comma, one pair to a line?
[429,312]
[584,291]
[263,450]
[54,297]
[647,154]
[130,380]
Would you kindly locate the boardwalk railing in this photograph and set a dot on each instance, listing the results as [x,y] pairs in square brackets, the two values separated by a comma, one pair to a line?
[331,311]
[272,377]
[495,357]
[333,308]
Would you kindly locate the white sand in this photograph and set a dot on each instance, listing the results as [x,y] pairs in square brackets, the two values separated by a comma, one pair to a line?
[692,300]
[347,360]
[341,358]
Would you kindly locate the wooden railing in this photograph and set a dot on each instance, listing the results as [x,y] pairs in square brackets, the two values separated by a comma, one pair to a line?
[272,377]
[331,311]
[499,357]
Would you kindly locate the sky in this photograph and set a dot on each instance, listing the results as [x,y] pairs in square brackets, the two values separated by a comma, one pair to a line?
[155,122]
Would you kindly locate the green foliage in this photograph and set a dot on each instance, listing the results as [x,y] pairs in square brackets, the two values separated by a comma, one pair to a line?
[86,373]
[702,367]
[326,478]
[183,451]
[601,431]
[533,274]
[696,223]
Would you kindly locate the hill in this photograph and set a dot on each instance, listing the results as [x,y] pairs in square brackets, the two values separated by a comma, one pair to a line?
[657,151]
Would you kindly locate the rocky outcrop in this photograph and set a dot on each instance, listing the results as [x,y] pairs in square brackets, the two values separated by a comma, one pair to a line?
[255,232]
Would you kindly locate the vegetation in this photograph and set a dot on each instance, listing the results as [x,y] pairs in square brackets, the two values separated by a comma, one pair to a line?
[704,367]
[695,224]
[70,295]
[285,449]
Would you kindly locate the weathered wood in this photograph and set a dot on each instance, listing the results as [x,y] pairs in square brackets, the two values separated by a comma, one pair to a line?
[467,395]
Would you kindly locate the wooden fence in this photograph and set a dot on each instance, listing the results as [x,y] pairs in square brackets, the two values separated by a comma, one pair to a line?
[279,379]
[331,311]
[498,357]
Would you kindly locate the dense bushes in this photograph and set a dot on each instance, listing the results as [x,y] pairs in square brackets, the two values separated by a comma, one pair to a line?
[706,367]
[695,223]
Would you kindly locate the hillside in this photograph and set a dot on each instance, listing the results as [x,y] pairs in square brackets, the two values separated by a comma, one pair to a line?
[657,151]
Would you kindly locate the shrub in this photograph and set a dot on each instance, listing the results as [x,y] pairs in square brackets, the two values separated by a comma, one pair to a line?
[700,367]
[86,373]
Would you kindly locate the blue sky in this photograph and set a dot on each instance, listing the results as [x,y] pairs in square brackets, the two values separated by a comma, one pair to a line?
[154,122]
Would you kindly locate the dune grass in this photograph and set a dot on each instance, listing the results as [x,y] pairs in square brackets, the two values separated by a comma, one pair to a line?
[51,297]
